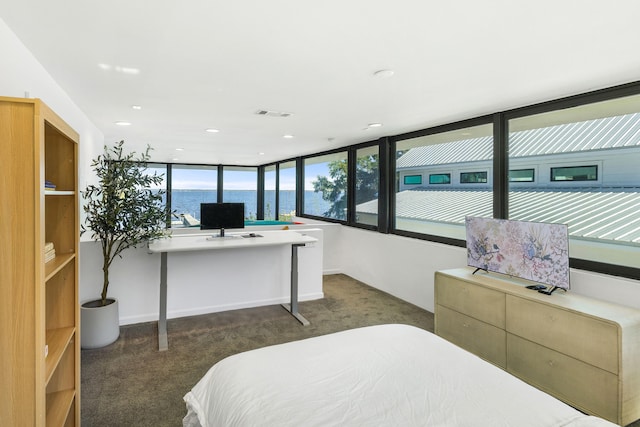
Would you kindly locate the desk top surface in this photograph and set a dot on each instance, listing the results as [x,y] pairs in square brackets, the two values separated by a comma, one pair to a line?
[203,241]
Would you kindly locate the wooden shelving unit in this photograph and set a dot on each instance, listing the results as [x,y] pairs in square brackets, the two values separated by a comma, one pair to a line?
[39,311]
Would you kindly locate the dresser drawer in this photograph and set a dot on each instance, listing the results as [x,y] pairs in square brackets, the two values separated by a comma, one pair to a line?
[476,301]
[582,337]
[473,335]
[577,383]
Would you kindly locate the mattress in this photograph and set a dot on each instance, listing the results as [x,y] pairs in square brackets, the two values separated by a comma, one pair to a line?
[386,375]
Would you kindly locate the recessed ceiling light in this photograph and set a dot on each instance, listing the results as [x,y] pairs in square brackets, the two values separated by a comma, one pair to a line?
[126,70]
[211,130]
[288,136]
[384,73]
[179,149]
[136,107]
[123,123]
[261,153]
[374,125]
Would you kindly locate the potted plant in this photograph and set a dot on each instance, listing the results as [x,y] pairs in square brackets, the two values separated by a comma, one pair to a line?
[123,210]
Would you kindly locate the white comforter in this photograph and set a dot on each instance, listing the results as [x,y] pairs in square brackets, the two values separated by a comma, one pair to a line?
[388,375]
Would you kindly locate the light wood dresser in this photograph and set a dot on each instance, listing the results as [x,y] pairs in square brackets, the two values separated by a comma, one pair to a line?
[583,351]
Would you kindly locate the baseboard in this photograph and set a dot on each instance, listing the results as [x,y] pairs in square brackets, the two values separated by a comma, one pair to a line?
[174,314]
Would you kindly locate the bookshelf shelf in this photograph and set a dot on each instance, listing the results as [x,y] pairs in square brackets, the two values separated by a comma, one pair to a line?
[59,193]
[55,265]
[40,310]
[57,342]
[58,406]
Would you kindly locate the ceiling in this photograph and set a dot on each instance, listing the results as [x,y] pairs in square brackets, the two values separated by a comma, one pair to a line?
[198,64]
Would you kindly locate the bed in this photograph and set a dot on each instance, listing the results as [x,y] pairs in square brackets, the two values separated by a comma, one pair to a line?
[386,375]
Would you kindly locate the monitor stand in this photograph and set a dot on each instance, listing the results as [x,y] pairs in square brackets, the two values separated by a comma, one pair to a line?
[221,235]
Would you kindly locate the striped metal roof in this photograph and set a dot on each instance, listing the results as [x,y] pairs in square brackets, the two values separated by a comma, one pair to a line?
[605,214]
[606,133]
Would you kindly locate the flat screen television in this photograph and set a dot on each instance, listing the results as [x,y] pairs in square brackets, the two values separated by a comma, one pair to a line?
[529,250]
[219,216]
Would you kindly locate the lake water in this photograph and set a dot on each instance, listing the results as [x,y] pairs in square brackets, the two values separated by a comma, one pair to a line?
[188,201]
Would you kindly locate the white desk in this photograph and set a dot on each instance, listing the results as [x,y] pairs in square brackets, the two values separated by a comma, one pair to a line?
[201,242]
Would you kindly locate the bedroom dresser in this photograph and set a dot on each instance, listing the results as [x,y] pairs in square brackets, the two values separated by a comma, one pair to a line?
[583,351]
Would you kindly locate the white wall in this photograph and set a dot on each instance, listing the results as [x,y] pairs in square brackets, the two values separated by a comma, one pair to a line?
[405,267]
[22,75]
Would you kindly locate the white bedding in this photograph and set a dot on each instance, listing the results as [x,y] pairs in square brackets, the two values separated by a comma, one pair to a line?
[388,375]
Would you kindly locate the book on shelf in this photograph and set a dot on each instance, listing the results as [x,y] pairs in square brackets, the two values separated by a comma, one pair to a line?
[48,185]
[49,251]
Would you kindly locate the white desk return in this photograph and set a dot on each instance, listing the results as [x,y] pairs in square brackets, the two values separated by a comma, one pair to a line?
[203,242]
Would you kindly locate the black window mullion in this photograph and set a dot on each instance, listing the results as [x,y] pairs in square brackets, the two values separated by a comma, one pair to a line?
[220,183]
[385,184]
[260,195]
[500,167]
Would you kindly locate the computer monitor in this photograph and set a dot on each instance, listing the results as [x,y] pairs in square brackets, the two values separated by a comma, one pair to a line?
[221,216]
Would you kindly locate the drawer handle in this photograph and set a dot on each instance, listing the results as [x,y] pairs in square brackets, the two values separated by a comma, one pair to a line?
[551,363]
[552,318]
[465,325]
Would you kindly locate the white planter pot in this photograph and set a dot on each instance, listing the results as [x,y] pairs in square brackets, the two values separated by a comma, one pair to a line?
[100,325]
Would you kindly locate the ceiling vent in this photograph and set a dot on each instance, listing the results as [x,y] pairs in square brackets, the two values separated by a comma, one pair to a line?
[272,113]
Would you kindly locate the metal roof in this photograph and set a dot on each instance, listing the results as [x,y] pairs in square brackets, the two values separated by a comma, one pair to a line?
[606,214]
[605,133]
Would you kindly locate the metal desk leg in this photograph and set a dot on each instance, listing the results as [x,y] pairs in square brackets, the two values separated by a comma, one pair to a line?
[163,342]
[293,308]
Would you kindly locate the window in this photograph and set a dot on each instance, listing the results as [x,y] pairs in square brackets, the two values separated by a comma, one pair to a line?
[591,152]
[412,179]
[240,185]
[440,178]
[190,186]
[440,210]
[473,177]
[575,173]
[522,175]
[159,169]
[325,188]
[287,191]
[270,192]
[367,185]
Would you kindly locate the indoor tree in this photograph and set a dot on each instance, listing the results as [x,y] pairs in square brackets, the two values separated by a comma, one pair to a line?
[125,208]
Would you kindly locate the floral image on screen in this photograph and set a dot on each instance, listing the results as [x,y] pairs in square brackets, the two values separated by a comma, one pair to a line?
[529,250]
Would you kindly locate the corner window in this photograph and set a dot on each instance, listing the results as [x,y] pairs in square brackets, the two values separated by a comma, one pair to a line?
[591,152]
[269,207]
[287,191]
[367,185]
[440,209]
[325,187]
[190,186]
[240,185]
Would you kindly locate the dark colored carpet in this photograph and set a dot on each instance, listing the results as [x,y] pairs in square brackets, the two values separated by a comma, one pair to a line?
[130,383]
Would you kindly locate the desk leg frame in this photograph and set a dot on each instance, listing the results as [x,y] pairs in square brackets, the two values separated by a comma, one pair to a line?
[163,342]
[293,307]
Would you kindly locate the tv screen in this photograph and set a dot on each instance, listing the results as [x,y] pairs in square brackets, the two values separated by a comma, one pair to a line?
[530,250]
[221,215]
